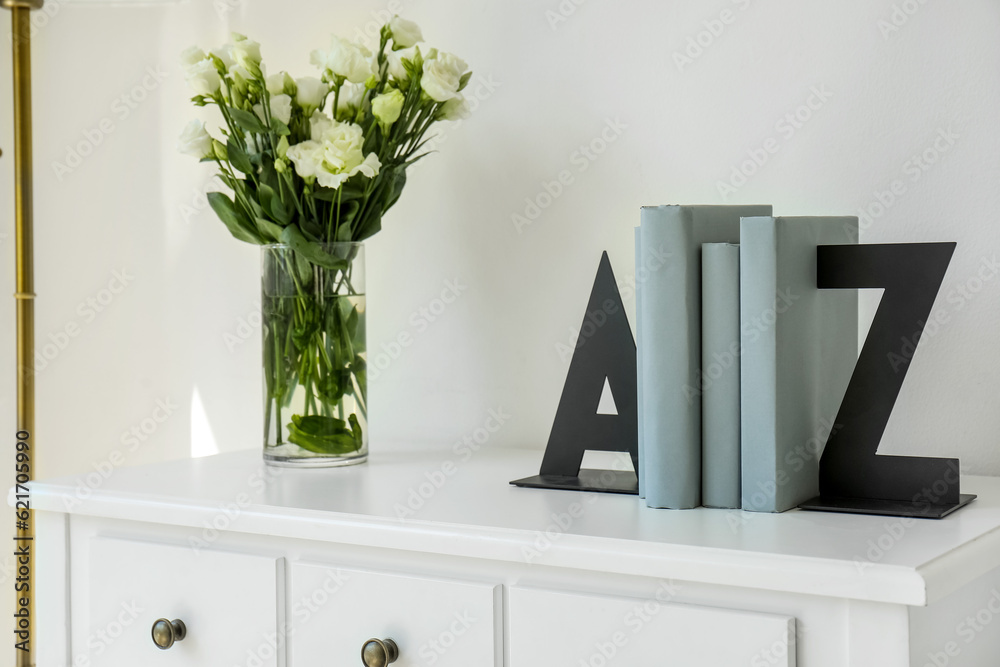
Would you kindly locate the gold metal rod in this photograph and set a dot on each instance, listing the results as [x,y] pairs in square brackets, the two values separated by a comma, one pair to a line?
[24,609]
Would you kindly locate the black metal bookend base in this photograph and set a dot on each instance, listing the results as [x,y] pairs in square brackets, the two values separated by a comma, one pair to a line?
[605,353]
[600,481]
[903,508]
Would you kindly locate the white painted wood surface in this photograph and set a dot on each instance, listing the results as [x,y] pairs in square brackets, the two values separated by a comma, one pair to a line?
[334,610]
[550,628]
[428,530]
[229,603]
[434,501]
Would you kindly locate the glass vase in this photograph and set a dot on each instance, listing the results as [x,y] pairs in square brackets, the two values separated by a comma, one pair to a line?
[315,380]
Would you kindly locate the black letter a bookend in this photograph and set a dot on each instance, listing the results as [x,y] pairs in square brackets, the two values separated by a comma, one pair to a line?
[604,355]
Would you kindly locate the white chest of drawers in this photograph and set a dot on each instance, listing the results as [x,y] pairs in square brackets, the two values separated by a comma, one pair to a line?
[432,548]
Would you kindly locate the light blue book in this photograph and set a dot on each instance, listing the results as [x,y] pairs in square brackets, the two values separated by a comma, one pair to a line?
[670,270]
[638,358]
[799,348]
[720,375]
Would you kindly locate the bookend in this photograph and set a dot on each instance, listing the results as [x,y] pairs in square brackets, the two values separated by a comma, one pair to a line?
[605,350]
[853,477]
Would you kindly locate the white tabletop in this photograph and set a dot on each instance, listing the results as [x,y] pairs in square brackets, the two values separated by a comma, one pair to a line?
[469,509]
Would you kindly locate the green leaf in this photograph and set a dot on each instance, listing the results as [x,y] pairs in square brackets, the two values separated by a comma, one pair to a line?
[330,388]
[360,370]
[348,191]
[255,208]
[267,194]
[268,174]
[238,157]
[323,435]
[303,268]
[230,182]
[464,81]
[395,188]
[248,121]
[324,194]
[412,68]
[352,190]
[269,230]
[371,226]
[293,236]
[281,213]
[237,224]
[345,217]
[344,231]
[352,322]
[345,336]
[279,128]
[311,228]
[356,431]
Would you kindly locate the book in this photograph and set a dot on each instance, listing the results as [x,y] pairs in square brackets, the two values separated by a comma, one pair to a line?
[799,346]
[638,359]
[670,272]
[720,375]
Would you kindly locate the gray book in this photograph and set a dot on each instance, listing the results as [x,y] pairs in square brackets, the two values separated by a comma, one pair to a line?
[638,356]
[799,348]
[720,375]
[670,267]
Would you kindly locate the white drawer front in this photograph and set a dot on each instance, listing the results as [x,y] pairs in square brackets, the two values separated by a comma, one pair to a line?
[228,602]
[550,628]
[332,611]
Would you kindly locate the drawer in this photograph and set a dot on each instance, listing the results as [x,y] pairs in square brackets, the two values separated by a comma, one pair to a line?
[552,628]
[228,602]
[332,612]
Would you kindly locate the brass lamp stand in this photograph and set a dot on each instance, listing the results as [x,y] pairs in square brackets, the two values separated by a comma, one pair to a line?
[24,540]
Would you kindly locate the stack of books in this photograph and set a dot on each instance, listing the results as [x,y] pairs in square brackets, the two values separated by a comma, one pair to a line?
[742,362]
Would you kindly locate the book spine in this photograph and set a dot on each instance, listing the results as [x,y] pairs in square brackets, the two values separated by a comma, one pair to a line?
[670,357]
[758,369]
[799,350]
[720,375]
[640,473]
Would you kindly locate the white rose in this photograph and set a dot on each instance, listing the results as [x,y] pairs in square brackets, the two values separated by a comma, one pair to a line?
[345,58]
[442,76]
[192,56]
[225,54]
[386,107]
[241,72]
[395,62]
[276,83]
[194,140]
[404,33]
[318,123]
[456,108]
[311,92]
[240,77]
[204,78]
[281,108]
[247,53]
[334,154]
[307,158]
[349,99]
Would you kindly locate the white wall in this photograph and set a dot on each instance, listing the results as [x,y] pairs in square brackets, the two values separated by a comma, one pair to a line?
[555,86]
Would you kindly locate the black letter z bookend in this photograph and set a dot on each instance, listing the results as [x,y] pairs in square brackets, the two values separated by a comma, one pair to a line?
[605,354]
[853,476]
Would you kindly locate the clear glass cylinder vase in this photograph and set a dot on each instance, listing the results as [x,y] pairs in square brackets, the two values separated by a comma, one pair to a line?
[315,380]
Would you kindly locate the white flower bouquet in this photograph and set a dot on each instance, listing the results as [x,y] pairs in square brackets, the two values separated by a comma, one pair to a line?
[313,165]
[319,160]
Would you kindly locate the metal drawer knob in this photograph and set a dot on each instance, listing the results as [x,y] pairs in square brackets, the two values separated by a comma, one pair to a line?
[379,652]
[165,632]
